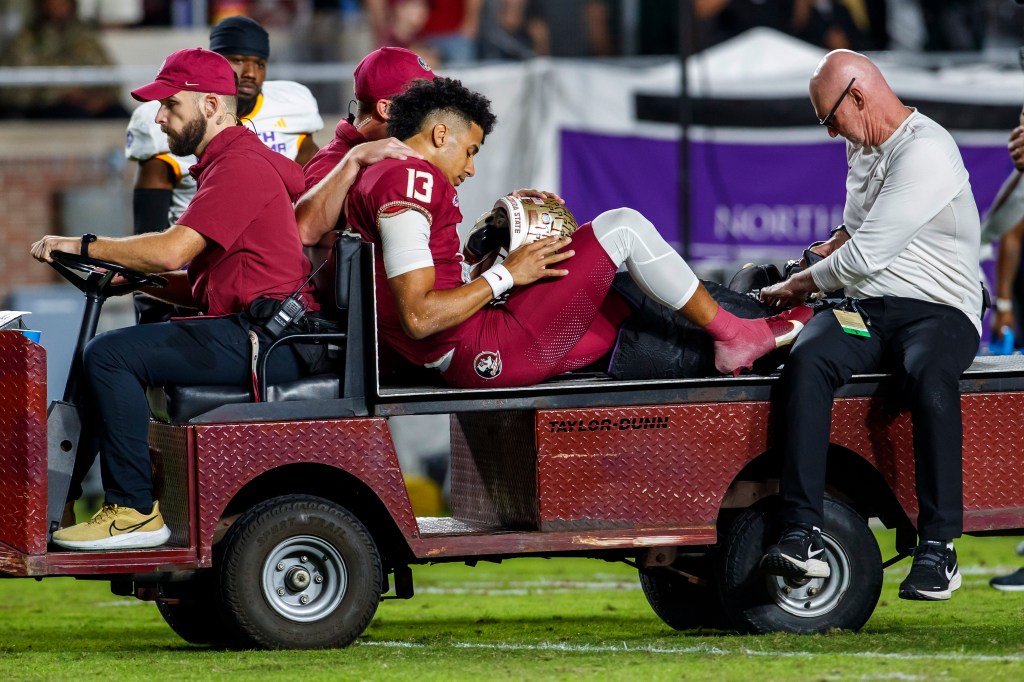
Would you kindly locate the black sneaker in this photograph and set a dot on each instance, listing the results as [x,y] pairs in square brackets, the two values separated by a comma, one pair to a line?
[799,554]
[934,575]
[1009,583]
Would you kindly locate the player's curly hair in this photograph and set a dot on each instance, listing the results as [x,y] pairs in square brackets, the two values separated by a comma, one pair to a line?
[425,97]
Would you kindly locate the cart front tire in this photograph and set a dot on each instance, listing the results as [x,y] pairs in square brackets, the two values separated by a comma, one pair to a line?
[300,572]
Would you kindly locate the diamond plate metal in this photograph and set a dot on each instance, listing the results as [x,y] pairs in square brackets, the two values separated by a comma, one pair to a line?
[23,446]
[643,467]
[229,456]
[494,469]
[169,455]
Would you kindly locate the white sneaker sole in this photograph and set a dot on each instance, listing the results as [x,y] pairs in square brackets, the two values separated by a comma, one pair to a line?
[136,540]
[939,595]
[812,568]
[1007,588]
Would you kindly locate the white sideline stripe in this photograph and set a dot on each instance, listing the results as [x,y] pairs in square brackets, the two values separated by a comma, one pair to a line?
[708,650]
[537,587]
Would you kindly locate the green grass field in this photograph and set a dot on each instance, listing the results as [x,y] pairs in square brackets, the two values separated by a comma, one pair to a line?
[530,619]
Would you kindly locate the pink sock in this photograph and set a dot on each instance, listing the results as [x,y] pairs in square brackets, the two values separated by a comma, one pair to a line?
[724,325]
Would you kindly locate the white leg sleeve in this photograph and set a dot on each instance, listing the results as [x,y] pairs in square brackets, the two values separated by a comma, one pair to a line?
[628,237]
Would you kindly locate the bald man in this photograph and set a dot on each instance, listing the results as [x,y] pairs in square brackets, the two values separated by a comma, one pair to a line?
[907,257]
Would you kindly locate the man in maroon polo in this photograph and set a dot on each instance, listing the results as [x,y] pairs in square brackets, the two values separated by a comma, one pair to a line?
[380,76]
[240,242]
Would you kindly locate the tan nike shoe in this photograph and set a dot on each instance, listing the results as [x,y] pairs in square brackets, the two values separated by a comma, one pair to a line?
[114,527]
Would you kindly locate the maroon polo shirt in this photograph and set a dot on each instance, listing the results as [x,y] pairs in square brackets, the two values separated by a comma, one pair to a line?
[243,206]
[346,136]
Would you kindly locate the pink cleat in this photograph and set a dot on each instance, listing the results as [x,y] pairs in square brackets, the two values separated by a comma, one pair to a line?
[756,338]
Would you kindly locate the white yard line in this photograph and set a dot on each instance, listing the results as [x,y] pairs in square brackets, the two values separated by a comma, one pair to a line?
[699,650]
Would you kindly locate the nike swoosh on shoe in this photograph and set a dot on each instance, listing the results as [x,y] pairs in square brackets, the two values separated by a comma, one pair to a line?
[129,529]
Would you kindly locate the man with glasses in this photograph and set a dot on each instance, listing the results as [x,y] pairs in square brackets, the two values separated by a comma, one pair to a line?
[907,256]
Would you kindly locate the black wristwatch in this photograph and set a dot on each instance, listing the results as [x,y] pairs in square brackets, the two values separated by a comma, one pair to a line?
[837,228]
[86,240]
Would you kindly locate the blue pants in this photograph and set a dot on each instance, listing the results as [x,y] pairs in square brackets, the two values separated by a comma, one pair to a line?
[927,346]
[118,367]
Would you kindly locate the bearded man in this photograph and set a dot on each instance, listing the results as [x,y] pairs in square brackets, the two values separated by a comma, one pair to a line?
[240,241]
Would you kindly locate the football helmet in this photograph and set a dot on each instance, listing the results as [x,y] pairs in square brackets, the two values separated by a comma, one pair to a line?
[515,221]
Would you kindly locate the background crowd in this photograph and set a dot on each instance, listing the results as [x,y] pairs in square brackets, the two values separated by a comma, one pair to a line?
[445,32]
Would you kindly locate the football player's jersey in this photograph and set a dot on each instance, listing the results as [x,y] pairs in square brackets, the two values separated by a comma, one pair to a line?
[285,115]
[413,184]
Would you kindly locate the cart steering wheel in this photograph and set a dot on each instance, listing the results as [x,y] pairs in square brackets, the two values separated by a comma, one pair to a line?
[96,277]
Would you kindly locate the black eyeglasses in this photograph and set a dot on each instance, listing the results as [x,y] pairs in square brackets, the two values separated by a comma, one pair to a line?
[827,121]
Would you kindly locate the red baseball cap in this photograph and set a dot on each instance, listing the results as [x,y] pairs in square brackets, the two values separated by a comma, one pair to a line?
[387,72]
[193,69]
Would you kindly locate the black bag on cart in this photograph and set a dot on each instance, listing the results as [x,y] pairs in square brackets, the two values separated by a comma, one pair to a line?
[658,343]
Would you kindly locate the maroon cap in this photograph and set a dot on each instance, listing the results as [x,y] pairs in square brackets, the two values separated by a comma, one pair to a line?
[195,70]
[387,72]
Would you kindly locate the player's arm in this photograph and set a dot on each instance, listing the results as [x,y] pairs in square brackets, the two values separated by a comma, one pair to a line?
[1007,266]
[151,199]
[307,148]
[166,251]
[424,310]
[319,209]
[1005,211]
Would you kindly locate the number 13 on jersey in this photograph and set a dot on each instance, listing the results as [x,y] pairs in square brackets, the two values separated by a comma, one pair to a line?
[419,186]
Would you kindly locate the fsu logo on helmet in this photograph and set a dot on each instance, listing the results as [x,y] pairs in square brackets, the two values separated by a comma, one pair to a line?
[487,364]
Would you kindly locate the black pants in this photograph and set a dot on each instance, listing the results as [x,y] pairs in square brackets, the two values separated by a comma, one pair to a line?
[927,346]
[118,367]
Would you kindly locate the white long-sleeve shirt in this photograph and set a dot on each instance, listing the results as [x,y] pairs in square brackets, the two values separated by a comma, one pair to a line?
[913,223]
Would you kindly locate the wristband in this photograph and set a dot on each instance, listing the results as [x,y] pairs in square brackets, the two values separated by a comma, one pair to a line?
[499,278]
[86,240]
[1004,305]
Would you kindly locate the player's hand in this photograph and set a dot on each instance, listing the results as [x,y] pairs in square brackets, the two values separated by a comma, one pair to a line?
[1001,321]
[1016,147]
[531,262]
[42,249]
[537,194]
[369,153]
[791,292]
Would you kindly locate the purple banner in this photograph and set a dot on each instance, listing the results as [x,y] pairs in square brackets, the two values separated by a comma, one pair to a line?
[744,197]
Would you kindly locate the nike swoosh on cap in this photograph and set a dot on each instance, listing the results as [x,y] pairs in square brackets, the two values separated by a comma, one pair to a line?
[191,84]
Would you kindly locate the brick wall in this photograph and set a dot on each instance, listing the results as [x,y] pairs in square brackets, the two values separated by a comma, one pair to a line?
[39,161]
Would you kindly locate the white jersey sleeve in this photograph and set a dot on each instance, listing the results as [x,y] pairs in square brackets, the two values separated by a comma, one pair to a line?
[286,113]
[144,140]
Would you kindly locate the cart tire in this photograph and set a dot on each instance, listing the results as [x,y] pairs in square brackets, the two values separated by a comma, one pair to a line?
[759,603]
[680,603]
[194,613]
[300,572]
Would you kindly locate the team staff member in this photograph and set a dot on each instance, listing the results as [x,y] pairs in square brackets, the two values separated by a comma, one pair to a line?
[380,76]
[1005,222]
[410,210]
[283,114]
[239,238]
[908,257]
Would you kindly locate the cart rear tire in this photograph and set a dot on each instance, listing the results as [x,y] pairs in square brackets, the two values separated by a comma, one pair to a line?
[758,603]
[192,608]
[679,602]
[300,572]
